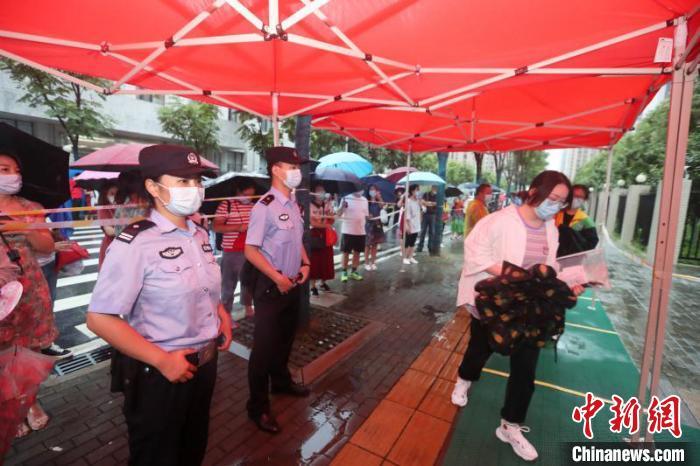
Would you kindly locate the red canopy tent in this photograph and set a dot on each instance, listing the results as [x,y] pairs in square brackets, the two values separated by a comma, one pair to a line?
[437,74]
[281,58]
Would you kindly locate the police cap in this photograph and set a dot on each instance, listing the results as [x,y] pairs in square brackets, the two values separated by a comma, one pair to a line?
[175,160]
[283,154]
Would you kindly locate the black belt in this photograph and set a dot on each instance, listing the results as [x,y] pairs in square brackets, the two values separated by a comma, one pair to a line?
[205,354]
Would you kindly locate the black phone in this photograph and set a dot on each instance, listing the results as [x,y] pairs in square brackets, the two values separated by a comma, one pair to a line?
[193,358]
[220,339]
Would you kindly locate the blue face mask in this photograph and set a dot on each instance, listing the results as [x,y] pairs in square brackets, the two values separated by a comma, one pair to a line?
[517,201]
[548,209]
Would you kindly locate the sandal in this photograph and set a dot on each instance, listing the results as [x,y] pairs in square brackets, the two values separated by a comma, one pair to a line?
[37,417]
[22,430]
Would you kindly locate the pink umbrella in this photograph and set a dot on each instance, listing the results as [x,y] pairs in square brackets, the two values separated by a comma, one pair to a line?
[398,173]
[90,179]
[119,158]
[91,175]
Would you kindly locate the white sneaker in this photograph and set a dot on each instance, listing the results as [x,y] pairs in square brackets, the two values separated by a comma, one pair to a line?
[413,260]
[513,434]
[459,394]
[368,267]
[374,266]
[407,262]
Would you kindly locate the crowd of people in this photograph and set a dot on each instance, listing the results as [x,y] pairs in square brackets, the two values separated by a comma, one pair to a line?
[167,307]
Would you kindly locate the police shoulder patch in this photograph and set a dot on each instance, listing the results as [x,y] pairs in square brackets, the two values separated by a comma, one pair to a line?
[171,252]
[131,231]
[267,199]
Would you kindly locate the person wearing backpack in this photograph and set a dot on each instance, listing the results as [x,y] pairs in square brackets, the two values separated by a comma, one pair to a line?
[231,221]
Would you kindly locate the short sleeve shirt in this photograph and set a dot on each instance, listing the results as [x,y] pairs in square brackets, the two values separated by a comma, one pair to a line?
[277,228]
[165,282]
[236,213]
[355,215]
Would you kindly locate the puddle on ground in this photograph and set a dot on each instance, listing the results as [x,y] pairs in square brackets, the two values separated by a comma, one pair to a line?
[330,428]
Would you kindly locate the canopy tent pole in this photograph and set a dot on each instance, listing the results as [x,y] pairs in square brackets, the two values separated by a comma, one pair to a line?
[405,202]
[275,120]
[439,224]
[608,180]
[674,166]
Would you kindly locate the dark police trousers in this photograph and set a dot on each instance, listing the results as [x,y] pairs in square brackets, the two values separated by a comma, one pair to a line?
[427,226]
[168,422]
[521,382]
[276,318]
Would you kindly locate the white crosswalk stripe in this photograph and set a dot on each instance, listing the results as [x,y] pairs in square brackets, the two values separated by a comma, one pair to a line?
[84,237]
[90,242]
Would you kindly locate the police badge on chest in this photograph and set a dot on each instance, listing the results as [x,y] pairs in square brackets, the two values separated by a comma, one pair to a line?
[171,253]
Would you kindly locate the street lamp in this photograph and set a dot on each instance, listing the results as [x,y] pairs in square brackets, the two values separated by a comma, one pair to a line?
[641,178]
[620,183]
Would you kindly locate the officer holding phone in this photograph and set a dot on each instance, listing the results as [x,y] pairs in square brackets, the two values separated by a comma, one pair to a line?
[161,277]
[276,265]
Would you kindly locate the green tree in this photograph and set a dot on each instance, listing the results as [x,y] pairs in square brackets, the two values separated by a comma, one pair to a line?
[522,166]
[258,133]
[325,142]
[194,124]
[78,111]
[458,173]
[643,150]
[499,160]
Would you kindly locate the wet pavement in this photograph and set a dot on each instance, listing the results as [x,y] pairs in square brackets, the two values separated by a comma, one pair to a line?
[411,306]
[88,427]
[627,307]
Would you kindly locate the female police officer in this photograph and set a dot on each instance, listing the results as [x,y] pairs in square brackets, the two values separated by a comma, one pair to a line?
[161,276]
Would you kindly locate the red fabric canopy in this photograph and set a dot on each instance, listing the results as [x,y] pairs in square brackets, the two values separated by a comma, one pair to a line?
[551,64]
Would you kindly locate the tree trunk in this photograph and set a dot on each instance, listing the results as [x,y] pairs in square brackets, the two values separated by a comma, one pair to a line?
[479,158]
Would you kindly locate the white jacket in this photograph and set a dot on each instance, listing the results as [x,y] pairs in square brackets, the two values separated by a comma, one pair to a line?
[497,237]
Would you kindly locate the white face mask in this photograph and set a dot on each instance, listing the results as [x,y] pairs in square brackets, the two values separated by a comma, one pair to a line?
[10,184]
[292,178]
[577,203]
[372,193]
[184,201]
[111,199]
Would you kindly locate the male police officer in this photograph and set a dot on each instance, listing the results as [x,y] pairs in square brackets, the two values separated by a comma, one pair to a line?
[280,264]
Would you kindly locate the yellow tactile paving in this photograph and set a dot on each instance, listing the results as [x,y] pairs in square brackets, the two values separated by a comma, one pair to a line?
[410,390]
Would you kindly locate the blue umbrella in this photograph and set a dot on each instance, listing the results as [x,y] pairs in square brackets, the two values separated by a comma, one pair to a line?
[347,161]
[386,187]
[422,178]
[336,181]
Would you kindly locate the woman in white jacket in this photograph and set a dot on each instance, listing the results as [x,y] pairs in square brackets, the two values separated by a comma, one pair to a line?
[523,235]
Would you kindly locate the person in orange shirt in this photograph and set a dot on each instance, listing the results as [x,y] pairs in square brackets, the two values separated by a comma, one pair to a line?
[476,210]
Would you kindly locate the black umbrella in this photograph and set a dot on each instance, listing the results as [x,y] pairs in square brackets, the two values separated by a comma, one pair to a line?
[452,191]
[226,186]
[386,187]
[44,167]
[337,181]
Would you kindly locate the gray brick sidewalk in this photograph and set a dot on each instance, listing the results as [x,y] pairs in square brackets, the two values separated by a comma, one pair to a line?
[627,306]
[87,426]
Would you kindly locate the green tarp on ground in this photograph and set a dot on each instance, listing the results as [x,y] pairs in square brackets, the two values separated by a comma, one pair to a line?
[588,360]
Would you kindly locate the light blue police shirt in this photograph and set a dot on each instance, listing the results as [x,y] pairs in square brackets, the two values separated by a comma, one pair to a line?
[166,283]
[276,227]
